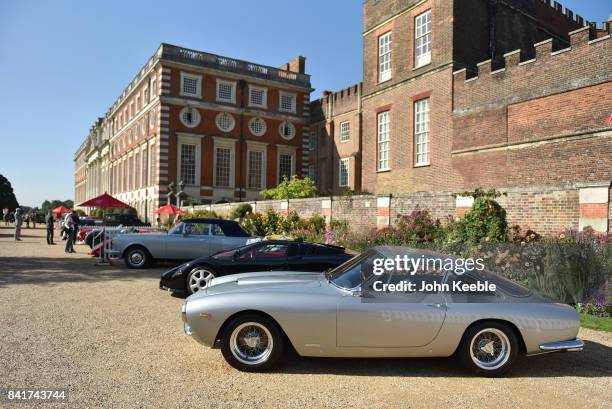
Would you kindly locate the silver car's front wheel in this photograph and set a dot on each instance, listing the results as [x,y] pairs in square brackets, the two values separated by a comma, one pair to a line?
[199,278]
[489,348]
[252,342]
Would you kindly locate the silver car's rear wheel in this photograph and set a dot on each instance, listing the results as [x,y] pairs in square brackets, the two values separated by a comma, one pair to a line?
[199,278]
[251,343]
[490,349]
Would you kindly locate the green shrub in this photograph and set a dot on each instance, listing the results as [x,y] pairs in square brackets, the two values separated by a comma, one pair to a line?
[264,224]
[294,188]
[241,211]
[485,221]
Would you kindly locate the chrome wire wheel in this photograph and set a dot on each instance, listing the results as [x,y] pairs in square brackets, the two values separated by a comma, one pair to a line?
[251,343]
[490,349]
[199,279]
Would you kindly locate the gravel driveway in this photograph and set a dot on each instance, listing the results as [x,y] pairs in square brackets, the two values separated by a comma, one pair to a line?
[113,339]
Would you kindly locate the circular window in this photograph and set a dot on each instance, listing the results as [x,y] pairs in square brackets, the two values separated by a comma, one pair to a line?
[257,126]
[225,122]
[190,117]
[286,130]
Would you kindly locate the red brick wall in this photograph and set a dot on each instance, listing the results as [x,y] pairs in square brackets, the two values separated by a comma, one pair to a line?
[547,210]
[581,110]
[539,122]
[403,176]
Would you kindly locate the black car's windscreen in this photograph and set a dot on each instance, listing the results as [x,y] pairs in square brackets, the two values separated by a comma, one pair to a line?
[232,229]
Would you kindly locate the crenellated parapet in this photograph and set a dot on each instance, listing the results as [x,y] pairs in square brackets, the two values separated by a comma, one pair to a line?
[553,68]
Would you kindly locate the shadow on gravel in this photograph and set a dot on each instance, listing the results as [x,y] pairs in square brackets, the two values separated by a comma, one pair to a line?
[44,271]
[594,361]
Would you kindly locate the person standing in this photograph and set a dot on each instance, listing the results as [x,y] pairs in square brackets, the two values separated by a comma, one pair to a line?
[33,219]
[77,225]
[18,223]
[69,226]
[49,221]
[26,218]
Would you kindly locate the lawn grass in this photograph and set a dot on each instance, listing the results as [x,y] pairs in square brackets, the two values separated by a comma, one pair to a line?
[593,322]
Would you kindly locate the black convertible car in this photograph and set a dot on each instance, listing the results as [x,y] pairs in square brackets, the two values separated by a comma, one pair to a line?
[262,256]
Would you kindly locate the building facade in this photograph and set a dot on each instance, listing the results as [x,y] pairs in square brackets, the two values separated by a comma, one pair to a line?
[476,93]
[220,128]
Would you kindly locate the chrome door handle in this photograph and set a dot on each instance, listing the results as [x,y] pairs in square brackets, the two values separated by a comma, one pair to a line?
[438,306]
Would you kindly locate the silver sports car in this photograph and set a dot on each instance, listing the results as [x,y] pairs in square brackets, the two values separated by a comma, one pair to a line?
[188,240]
[348,312]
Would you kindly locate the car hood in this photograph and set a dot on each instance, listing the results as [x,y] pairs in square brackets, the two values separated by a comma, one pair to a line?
[270,280]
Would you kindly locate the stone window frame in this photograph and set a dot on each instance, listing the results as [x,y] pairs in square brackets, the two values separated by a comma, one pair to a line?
[285,94]
[264,91]
[345,131]
[232,84]
[224,143]
[197,78]
[424,59]
[195,141]
[385,51]
[347,166]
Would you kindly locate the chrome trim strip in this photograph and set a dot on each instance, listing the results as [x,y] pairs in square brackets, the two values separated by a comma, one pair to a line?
[569,346]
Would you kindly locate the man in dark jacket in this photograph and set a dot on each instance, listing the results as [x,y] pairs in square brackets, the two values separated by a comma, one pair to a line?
[49,221]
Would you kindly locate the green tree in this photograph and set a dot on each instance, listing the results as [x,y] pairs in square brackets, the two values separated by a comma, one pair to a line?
[48,205]
[7,196]
[296,188]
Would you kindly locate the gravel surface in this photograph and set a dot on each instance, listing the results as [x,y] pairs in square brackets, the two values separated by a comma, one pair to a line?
[113,339]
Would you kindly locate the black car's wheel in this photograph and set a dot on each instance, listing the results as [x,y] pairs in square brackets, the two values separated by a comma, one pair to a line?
[137,257]
[252,343]
[489,348]
[199,278]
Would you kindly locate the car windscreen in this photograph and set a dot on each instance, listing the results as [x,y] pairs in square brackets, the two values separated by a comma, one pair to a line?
[350,274]
[178,229]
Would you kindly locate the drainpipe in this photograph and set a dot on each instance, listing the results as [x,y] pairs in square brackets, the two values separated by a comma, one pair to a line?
[242,85]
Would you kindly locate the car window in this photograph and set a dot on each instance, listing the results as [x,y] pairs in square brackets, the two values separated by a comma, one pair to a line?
[216,230]
[197,229]
[265,251]
[178,229]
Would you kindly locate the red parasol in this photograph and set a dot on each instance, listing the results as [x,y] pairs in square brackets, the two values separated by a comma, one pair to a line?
[104,201]
[59,210]
[169,209]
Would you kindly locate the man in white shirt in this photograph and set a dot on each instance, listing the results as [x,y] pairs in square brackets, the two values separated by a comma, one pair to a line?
[69,225]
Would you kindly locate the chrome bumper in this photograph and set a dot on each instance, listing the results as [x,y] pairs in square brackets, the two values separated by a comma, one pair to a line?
[186,326]
[564,346]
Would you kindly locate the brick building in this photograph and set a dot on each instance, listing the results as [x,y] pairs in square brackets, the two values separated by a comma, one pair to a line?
[506,94]
[335,141]
[462,94]
[225,128]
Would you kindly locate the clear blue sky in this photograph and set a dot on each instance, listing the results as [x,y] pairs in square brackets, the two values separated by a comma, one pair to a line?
[63,63]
